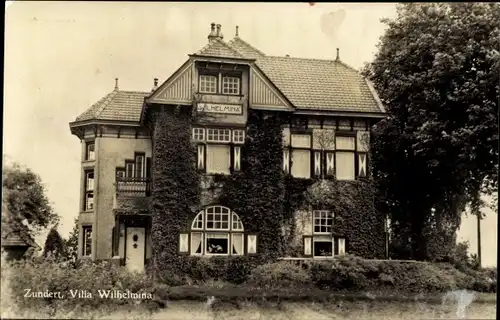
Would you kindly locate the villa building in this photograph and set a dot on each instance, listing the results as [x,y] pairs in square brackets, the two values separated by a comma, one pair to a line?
[225,79]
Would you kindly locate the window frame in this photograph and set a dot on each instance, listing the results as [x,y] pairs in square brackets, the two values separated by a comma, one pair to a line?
[205,76]
[88,193]
[85,228]
[353,151]
[323,238]
[89,144]
[237,85]
[330,218]
[309,149]
[202,219]
[142,173]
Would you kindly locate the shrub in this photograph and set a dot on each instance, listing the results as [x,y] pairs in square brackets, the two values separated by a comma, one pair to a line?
[278,275]
[41,275]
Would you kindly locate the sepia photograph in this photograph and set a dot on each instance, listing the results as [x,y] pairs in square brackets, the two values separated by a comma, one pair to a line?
[225,160]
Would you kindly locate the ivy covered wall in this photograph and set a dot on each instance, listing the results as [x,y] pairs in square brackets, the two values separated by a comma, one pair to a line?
[266,200]
[176,186]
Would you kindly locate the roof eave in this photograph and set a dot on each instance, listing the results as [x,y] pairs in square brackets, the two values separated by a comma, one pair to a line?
[338,113]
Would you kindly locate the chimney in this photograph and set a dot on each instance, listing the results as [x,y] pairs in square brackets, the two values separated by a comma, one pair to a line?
[116,84]
[220,36]
[338,55]
[213,33]
[155,84]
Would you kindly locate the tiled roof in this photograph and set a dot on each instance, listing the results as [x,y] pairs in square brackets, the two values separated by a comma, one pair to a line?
[319,84]
[245,49]
[311,84]
[16,235]
[117,105]
[218,48]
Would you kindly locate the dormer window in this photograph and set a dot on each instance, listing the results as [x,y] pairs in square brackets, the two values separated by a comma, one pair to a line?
[231,85]
[208,84]
[226,82]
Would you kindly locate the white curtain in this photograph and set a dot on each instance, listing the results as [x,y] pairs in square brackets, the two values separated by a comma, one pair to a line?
[301,163]
[237,243]
[196,241]
[218,158]
[345,165]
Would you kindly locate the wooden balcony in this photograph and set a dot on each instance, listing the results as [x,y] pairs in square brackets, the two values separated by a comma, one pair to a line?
[133,187]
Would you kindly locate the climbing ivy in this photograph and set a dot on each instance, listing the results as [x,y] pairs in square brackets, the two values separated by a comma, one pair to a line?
[176,187]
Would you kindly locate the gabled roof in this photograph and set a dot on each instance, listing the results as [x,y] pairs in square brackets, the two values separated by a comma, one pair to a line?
[16,236]
[218,48]
[245,48]
[327,85]
[309,84]
[116,105]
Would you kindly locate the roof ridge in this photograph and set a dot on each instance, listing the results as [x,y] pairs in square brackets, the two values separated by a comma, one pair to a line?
[247,44]
[317,59]
[105,102]
[222,42]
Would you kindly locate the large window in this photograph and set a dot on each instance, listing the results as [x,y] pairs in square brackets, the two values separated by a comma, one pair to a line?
[218,149]
[322,237]
[345,157]
[301,155]
[87,241]
[217,231]
[208,84]
[89,191]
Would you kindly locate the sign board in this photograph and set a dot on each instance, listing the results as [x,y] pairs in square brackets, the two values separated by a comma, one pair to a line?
[220,108]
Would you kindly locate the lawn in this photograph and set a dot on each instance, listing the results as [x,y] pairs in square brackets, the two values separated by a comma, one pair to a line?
[312,310]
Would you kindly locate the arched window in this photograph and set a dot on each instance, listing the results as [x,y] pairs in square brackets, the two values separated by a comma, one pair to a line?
[217,230]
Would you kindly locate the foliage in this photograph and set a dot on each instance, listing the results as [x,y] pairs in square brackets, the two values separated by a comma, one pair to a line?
[279,275]
[436,71]
[261,174]
[71,244]
[176,187]
[54,245]
[43,274]
[355,274]
[24,201]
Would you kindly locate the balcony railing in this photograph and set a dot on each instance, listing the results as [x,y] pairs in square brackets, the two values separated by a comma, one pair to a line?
[133,187]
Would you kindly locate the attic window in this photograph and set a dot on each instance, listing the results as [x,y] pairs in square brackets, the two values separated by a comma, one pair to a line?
[230,85]
[208,84]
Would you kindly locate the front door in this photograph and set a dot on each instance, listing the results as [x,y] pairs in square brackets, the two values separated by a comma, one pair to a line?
[136,246]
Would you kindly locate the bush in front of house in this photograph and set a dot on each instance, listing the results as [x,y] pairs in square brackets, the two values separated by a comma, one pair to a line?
[281,274]
[41,275]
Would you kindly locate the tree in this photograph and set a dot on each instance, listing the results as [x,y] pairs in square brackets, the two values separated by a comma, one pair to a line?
[71,243]
[24,202]
[436,71]
[54,245]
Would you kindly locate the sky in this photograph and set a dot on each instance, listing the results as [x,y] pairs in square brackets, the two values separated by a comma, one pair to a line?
[61,57]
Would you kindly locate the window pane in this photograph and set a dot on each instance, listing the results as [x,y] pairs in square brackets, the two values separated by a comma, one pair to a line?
[196,242]
[301,141]
[237,243]
[90,181]
[130,170]
[345,165]
[208,84]
[89,201]
[230,85]
[301,163]
[218,159]
[87,241]
[344,143]
[217,243]
[91,151]
[139,167]
[198,134]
